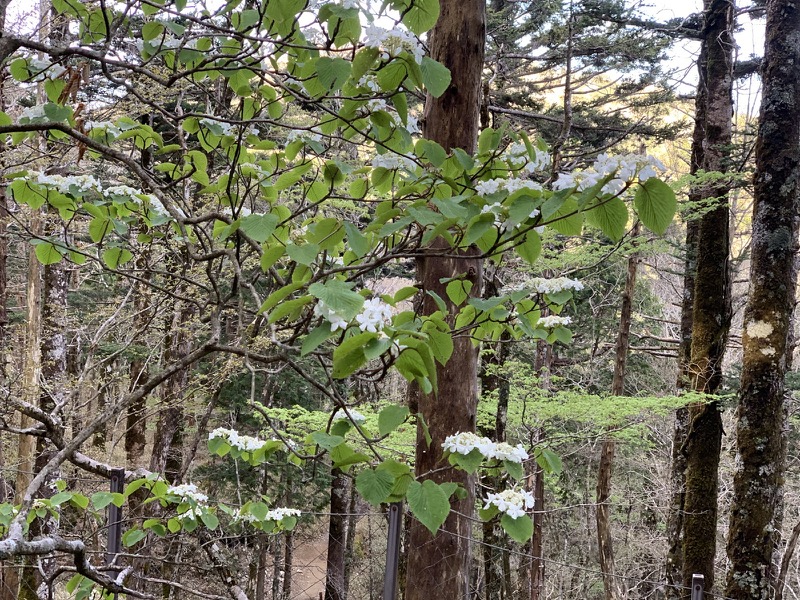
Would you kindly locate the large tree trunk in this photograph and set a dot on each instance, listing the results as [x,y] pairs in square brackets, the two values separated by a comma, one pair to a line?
[711,310]
[757,480]
[439,566]
[337,536]
[611,584]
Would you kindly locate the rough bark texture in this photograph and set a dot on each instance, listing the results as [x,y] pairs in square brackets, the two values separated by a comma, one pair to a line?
[711,310]
[757,480]
[337,537]
[674,563]
[439,566]
[611,585]
[135,417]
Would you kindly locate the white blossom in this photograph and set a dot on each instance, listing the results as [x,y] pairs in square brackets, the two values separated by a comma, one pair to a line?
[393,161]
[355,416]
[276,514]
[370,82]
[63,184]
[188,491]
[336,321]
[555,285]
[504,451]
[512,502]
[393,42]
[244,443]
[465,442]
[625,168]
[374,316]
[551,321]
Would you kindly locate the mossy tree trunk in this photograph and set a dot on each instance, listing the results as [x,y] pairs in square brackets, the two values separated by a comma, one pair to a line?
[757,480]
[712,303]
[438,566]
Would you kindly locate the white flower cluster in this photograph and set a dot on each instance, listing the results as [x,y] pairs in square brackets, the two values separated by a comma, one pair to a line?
[355,416]
[512,502]
[227,128]
[393,42]
[301,134]
[393,161]
[555,285]
[107,126]
[465,442]
[517,156]
[276,514]
[245,443]
[626,168]
[192,513]
[33,113]
[44,69]
[370,82]
[122,190]
[511,185]
[375,315]
[84,183]
[336,321]
[551,321]
[188,491]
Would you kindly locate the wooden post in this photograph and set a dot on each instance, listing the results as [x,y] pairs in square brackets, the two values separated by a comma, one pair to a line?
[393,551]
[698,583]
[114,545]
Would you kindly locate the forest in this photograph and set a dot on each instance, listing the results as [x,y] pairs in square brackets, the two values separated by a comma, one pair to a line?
[411,300]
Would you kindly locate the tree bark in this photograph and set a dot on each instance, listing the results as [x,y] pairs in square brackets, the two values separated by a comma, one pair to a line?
[711,312]
[337,536]
[757,479]
[439,566]
[611,585]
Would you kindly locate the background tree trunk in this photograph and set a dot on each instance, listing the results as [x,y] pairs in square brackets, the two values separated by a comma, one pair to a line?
[756,484]
[711,312]
[612,586]
[439,566]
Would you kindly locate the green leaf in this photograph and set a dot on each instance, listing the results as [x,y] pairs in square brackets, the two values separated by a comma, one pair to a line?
[304,254]
[326,441]
[132,536]
[429,503]
[344,456]
[316,337]
[435,76]
[568,220]
[259,227]
[47,253]
[530,248]
[209,519]
[98,228]
[392,75]
[349,355]
[520,529]
[514,469]
[548,460]
[333,72]
[421,16]
[441,343]
[469,462]
[458,291]
[102,499]
[339,297]
[375,486]
[655,204]
[116,257]
[391,417]
[610,216]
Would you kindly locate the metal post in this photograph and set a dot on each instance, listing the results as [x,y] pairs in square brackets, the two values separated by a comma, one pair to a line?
[114,545]
[698,583]
[393,551]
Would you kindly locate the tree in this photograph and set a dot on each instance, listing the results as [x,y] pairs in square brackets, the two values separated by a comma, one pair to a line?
[711,312]
[757,482]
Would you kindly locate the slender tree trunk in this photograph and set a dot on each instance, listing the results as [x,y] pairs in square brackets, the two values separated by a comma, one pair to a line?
[612,586]
[712,305]
[135,419]
[757,480]
[337,536]
[439,566]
